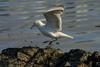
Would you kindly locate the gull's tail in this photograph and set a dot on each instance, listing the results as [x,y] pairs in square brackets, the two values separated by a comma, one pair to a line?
[65,35]
[69,36]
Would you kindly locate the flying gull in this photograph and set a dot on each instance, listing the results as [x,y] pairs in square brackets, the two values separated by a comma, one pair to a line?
[52,25]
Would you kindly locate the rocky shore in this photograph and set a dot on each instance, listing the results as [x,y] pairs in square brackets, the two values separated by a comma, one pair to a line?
[48,57]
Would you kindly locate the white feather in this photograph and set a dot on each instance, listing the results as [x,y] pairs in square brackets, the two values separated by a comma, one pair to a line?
[53,24]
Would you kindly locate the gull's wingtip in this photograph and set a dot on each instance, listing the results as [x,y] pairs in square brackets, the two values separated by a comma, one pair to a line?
[70,36]
[57,7]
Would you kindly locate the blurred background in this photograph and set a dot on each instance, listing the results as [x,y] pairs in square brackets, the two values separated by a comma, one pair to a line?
[81,19]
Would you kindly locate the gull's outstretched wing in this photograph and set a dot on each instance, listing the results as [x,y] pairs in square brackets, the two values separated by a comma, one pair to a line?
[53,18]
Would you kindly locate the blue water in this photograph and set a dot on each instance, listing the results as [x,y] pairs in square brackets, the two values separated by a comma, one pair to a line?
[81,19]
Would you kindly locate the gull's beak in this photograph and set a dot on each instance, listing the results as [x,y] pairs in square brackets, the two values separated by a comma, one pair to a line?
[32,26]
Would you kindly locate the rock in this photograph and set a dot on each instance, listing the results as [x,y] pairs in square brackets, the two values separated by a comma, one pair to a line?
[12,52]
[77,55]
[48,57]
[95,59]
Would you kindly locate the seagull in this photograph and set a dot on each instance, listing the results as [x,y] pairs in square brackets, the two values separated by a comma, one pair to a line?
[51,26]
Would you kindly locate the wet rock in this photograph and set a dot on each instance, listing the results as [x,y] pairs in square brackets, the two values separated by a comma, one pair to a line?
[12,52]
[77,55]
[94,59]
[48,57]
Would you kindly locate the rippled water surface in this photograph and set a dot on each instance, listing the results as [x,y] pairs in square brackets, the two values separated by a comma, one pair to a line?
[81,19]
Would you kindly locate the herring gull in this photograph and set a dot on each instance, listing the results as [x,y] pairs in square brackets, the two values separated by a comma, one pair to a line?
[52,25]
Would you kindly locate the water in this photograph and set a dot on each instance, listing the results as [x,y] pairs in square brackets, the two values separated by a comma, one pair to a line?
[81,19]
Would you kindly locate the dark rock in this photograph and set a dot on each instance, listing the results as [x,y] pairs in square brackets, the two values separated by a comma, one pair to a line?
[11,51]
[94,59]
[48,57]
[77,55]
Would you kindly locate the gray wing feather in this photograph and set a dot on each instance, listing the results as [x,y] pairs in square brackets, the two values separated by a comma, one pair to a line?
[54,20]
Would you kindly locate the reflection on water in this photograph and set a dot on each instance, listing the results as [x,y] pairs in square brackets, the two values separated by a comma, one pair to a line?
[81,19]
